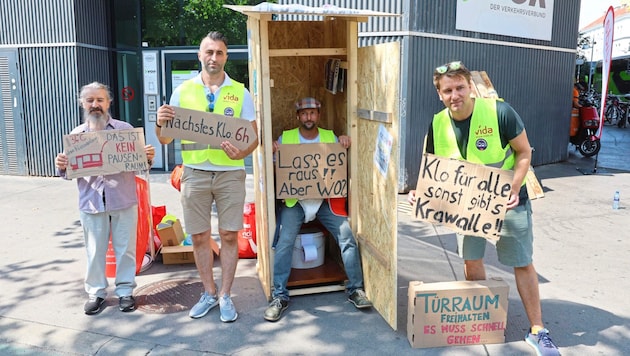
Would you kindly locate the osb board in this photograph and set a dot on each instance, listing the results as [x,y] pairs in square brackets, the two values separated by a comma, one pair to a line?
[482,86]
[285,81]
[263,223]
[307,34]
[378,90]
[297,77]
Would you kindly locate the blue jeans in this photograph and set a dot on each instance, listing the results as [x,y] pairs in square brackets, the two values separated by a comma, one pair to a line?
[291,220]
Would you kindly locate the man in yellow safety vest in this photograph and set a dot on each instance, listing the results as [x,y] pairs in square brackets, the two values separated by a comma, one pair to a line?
[212,175]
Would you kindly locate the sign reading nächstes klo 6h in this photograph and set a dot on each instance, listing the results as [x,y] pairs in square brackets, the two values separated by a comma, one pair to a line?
[518,18]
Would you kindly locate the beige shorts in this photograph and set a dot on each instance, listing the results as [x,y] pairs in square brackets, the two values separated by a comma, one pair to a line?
[201,188]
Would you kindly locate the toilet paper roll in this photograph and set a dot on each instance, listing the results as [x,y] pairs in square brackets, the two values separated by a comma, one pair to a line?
[310,253]
[309,248]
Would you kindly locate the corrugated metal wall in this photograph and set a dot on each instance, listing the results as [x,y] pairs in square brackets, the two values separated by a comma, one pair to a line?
[62,45]
[50,105]
[27,22]
[375,24]
[534,76]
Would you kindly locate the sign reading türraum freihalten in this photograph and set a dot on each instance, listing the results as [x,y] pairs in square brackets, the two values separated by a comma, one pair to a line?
[518,18]
[311,170]
[465,197]
[105,152]
[209,128]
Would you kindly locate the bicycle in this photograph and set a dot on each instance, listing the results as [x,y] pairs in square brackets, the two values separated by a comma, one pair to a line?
[615,111]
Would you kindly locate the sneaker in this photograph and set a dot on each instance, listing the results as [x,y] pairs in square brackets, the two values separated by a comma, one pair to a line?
[203,306]
[359,299]
[93,305]
[126,304]
[228,312]
[275,309]
[542,343]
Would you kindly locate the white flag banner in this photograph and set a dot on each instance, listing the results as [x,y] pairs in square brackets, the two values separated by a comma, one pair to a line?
[609,29]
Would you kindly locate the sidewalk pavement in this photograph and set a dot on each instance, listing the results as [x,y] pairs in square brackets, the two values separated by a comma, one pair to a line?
[582,253]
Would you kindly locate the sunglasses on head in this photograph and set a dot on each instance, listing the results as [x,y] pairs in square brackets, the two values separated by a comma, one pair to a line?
[448,66]
[210,98]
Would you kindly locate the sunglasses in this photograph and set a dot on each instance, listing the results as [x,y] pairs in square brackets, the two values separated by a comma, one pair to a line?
[210,98]
[448,66]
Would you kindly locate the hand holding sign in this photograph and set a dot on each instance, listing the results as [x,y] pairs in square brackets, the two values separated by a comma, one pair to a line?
[313,170]
[469,198]
[209,128]
[105,152]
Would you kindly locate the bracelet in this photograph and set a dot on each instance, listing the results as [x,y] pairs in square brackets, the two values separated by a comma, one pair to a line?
[158,125]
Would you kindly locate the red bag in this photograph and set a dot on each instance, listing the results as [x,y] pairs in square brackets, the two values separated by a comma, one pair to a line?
[247,237]
[176,177]
[157,212]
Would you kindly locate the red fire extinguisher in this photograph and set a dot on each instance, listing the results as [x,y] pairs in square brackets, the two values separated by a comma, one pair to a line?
[247,237]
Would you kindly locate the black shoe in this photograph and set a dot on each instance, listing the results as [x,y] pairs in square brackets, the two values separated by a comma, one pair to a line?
[275,309]
[126,304]
[359,299]
[93,305]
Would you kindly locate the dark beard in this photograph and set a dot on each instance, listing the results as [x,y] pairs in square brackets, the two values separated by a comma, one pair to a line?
[313,127]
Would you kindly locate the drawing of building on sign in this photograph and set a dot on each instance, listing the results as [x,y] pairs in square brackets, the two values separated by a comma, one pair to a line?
[88,160]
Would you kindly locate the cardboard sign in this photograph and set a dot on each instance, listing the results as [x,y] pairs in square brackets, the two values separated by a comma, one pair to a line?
[457,313]
[209,128]
[466,197]
[311,170]
[105,152]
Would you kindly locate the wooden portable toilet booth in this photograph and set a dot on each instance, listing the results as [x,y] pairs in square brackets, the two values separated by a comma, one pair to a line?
[287,60]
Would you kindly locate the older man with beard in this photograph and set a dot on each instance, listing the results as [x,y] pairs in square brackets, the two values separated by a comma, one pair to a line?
[107,204]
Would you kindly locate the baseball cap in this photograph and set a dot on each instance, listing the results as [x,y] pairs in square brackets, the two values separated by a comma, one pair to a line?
[307,103]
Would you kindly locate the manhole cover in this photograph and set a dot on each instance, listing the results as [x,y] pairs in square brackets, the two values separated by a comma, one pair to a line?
[170,296]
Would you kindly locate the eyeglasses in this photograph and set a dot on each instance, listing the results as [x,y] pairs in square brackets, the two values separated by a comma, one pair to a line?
[210,98]
[448,66]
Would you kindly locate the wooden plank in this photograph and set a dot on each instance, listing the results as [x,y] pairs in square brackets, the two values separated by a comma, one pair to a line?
[378,91]
[262,161]
[307,52]
[329,272]
[317,289]
[373,115]
[534,189]
[482,86]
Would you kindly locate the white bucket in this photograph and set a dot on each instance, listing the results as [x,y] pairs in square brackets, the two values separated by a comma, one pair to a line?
[299,254]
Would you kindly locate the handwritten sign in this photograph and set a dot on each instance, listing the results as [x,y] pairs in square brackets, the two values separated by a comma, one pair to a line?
[312,170]
[105,152]
[209,128]
[466,197]
[457,313]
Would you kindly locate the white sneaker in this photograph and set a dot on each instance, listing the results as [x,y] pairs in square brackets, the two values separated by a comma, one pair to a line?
[228,312]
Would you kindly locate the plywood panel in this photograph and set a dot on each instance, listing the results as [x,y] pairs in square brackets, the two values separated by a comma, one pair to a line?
[307,34]
[378,90]
[295,77]
[257,76]
[283,81]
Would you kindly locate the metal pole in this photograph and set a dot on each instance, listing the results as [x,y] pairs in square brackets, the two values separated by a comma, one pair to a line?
[590,69]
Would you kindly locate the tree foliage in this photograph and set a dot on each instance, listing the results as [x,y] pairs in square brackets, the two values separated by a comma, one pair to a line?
[186,22]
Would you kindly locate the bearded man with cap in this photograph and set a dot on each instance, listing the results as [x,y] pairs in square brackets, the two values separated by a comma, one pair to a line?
[330,212]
